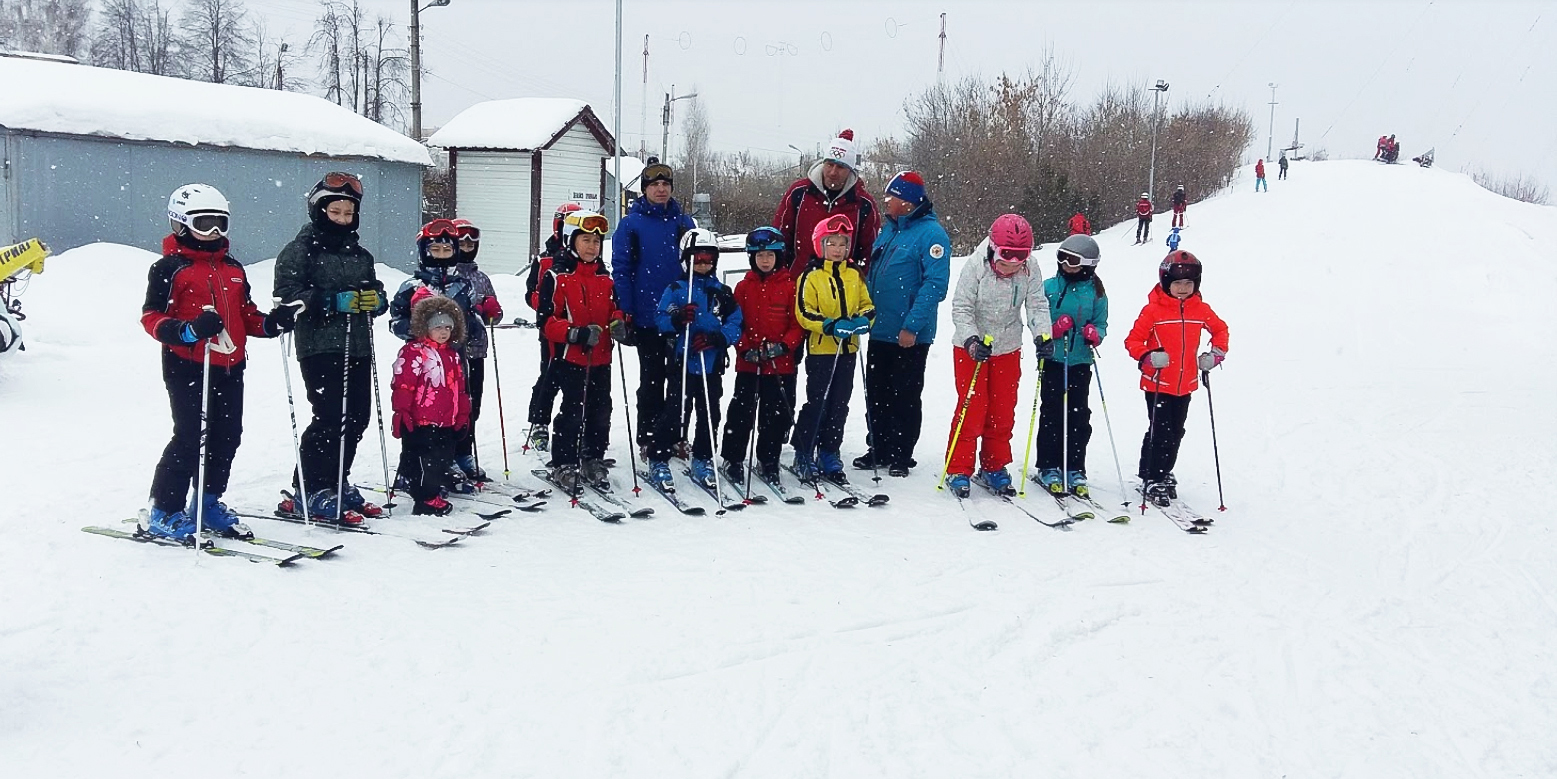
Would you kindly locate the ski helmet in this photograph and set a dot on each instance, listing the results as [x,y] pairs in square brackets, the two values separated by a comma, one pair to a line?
[1079,247]
[698,241]
[562,213]
[1010,238]
[837,224]
[468,231]
[582,221]
[443,231]
[764,239]
[1179,264]
[199,209]
[1146,196]
[335,185]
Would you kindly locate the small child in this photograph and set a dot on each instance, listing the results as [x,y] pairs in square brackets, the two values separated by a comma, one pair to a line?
[704,320]
[488,311]
[1174,238]
[431,405]
[543,395]
[198,306]
[765,370]
[578,304]
[1078,305]
[834,307]
[1164,340]
[990,299]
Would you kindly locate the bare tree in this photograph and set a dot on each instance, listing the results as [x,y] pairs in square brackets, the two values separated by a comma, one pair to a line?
[1519,186]
[329,41]
[696,157]
[116,41]
[46,26]
[387,69]
[273,64]
[217,40]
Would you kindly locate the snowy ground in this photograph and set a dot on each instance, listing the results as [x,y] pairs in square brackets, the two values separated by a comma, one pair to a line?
[1379,601]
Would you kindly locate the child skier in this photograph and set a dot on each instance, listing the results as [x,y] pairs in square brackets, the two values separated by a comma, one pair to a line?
[1180,202]
[198,306]
[1164,340]
[834,307]
[488,312]
[1079,307]
[989,303]
[704,320]
[765,368]
[544,394]
[431,406]
[1143,218]
[578,304]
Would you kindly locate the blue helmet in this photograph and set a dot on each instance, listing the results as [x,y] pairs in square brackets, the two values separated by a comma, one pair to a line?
[764,239]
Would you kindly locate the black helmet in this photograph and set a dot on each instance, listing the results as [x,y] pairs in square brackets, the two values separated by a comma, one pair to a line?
[1179,264]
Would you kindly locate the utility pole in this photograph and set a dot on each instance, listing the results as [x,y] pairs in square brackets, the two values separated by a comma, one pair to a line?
[416,64]
[1151,177]
[643,99]
[280,76]
[940,58]
[1271,132]
[670,97]
[616,126]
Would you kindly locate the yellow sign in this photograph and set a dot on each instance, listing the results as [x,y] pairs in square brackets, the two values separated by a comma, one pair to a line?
[27,255]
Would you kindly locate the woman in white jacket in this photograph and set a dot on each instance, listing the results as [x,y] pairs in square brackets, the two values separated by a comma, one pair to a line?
[987,310]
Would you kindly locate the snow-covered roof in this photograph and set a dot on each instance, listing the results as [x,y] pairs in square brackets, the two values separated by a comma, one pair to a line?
[521,123]
[632,167]
[83,100]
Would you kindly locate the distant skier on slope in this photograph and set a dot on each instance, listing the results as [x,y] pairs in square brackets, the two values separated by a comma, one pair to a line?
[1079,224]
[1180,202]
[1143,218]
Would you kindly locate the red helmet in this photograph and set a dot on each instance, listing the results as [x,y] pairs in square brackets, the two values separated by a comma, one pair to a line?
[562,213]
[837,224]
[1179,264]
[1010,238]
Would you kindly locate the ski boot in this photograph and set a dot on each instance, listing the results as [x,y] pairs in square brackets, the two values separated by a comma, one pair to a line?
[219,520]
[1172,484]
[322,507]
[866,461]
[540,438]
[1156,493]
[734,470]
[900,470]
[434,506]
[805,467]
[176,525]
[459,483]
[703,473]
[355,502]
[1078,483]
[831,466]
[659,476]
[998,481]
[769,472]
[596,473]
[959,484]
[567,476]
[682,450]
[1052,480]
[471,471]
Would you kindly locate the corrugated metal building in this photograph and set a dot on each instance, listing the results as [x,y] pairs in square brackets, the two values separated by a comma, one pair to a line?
[512,162]
[90,154]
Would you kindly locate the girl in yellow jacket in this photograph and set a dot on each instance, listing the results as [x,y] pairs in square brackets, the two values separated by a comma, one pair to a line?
[835,309]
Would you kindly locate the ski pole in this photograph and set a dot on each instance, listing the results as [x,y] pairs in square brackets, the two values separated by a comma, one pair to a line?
[708,422]
[1065,418]
[870,428]
[297,444]
[1103,401]
[502,426]
[821,408]
[1205,378]
[205,430]
[583,426]
[1151,439]
[549,358]
[751,448]
[627,410]
[1032,426]
[962,413]
[378,411]
[340,473]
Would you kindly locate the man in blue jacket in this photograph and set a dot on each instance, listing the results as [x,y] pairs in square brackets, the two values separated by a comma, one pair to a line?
[909,270]
[644,261]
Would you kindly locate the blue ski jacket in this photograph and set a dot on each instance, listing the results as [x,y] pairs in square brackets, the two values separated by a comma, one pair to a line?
[910,269]
[718,320]
[645,256]
[1079,299]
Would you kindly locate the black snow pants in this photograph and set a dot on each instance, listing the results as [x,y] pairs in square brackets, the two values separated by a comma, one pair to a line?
[577,417]
[324,375]
[1052,450]
[180,463]
[1160,445]
[763,400]
[829,383]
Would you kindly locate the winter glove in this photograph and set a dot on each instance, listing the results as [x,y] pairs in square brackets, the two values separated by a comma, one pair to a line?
[629,333]
[402,424]
[619,330]
[365,301]
[281,319]
[1062,326]
[585,336]
[859,325]
[977,349]
[830,327]
[1044,346]
[773,350]
[681,316]
[205,325]
[1091,335]
[705,341]
[1211,359]
[1154,360]
[753,356]
[489,309]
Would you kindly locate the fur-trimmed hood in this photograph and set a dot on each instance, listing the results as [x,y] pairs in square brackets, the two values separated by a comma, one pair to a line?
[430,304]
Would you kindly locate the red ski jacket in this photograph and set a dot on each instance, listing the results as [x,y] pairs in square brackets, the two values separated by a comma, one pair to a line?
[185,281]
[1143,208]
[1174,326]
[768,316]
[805,204]
[578,294]
[1259,169]
[429,387]
[1079,225]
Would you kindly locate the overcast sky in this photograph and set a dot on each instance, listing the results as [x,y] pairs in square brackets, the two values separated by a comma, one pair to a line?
[1475,79]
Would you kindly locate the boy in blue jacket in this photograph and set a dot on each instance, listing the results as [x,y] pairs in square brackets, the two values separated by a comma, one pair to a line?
[700,320]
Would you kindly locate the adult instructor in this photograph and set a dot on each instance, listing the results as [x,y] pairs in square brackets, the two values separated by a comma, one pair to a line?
[909,270]
[645,259]
[831,187]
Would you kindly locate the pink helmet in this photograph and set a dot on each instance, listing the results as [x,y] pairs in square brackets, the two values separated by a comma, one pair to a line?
[1012,232]
[837,224]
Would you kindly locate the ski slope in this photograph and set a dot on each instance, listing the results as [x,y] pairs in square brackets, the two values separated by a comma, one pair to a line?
[1380,599]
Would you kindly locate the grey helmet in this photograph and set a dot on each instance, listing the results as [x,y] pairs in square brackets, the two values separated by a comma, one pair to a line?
[1080,246]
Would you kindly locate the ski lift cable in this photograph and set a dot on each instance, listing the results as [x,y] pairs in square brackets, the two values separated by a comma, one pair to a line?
[1230,71]
[1421,18]
[1539,51]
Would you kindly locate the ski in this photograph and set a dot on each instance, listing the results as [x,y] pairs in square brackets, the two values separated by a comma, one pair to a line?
[1118,518]
[973,521]
[1062,499]
[1062,524]
[280,516]
[1178,515]
[845,502]
[598,512]
[633,510]
[519,494]
[671,497]
[718,496]
[783,493]
[206,546]
[868,498]
[738,487]
[311,552]
[504,508]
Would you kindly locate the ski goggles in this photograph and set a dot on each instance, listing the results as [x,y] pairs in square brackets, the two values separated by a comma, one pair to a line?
[594,223]
[1069,259]
[1013,254]
[470,233]
[705,256]
[657,172]
[440,229]
[339,180]
[210,224]
[765,239]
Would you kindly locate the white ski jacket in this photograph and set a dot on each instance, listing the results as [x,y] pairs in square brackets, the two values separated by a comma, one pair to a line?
[986,304]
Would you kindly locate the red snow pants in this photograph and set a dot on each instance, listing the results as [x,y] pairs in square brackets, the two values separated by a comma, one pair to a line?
[991,414]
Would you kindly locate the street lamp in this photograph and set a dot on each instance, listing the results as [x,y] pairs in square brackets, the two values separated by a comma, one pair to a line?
[1271,132]
[416,64]
[670,97]
[1151,178]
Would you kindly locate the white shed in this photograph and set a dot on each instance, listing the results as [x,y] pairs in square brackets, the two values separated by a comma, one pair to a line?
[512,162]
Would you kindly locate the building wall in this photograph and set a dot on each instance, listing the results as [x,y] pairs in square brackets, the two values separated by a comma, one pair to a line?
[571,172]
[492,189]
[71,191]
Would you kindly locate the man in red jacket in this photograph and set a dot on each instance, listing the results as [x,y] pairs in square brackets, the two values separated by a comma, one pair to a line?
[1079,224]
[1143,218]
[831,187]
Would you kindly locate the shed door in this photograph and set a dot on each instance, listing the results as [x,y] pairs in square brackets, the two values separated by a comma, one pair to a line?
[493,191]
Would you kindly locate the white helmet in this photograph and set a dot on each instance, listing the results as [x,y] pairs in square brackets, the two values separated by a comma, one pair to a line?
[201,209]
[1146,195]
[584,221]
[697,238]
